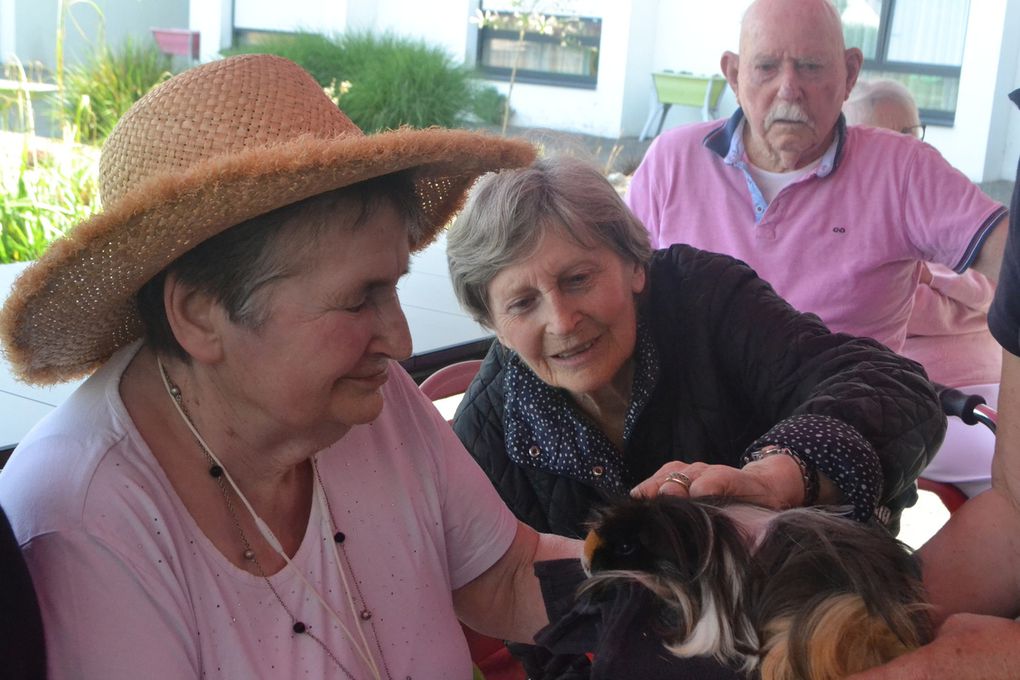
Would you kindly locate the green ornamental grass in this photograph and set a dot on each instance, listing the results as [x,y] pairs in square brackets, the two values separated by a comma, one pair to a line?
[101,90]
[42,195]
[394,80]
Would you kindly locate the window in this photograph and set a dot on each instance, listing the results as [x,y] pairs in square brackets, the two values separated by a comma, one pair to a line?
[546,48]
[917,42]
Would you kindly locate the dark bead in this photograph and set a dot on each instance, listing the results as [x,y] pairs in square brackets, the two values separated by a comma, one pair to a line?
[339,537]
[216,471]
[299,627]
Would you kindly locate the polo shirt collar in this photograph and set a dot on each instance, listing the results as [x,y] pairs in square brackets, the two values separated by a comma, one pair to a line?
[726,141]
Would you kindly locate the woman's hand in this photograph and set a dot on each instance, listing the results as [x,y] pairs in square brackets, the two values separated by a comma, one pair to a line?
[773,482]
[967,647]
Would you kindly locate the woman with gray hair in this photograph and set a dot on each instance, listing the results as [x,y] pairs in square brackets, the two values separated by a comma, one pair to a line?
[621,370]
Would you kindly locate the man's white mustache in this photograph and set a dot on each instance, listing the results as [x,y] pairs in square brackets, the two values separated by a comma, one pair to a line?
[785,112]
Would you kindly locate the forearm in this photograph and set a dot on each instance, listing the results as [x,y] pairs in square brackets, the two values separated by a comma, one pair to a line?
[506,601]
[970,564]
[1006,464]
[989,258]
[967,647]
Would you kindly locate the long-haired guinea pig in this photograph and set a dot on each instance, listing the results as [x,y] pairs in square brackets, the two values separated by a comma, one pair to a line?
[801,594]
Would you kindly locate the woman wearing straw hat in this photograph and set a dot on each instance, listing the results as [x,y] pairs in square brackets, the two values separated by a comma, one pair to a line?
[248,485]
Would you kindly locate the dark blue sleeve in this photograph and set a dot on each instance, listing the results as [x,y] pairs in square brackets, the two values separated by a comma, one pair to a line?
[1004,316]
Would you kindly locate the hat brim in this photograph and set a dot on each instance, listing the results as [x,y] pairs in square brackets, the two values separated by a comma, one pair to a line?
[70,310]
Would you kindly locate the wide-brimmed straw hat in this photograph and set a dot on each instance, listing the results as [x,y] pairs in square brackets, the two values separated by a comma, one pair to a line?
[206,150]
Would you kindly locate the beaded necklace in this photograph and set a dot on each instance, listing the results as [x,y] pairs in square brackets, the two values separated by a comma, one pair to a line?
[218,472]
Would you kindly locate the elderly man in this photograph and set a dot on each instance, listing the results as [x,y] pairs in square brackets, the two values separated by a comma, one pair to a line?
[838,219]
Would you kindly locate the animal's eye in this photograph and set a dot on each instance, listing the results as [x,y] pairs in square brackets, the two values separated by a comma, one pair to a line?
[624,548]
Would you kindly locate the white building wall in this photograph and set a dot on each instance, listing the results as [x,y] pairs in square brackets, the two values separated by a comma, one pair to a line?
[595,112]
[322,16]
[968,143]
[6,30]
[443,22]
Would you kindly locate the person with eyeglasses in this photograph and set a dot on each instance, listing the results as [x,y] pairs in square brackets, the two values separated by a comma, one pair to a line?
[884,104]
[947,331]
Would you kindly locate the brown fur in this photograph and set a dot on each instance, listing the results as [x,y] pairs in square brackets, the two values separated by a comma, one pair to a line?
[844,638]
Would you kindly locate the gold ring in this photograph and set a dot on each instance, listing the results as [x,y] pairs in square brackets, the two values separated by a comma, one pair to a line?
[680,478]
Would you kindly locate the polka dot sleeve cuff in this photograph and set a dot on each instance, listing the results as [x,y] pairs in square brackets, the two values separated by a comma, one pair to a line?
[836,450]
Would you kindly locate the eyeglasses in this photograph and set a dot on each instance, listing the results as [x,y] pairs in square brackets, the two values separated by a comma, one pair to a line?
[916,130]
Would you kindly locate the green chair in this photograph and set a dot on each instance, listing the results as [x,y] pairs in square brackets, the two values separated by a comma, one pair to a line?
[685,89]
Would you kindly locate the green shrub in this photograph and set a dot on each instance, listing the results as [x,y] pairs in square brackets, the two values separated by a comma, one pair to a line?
[398,81]
[393,80]
[100,90]
[43,194]
[487,104]
[316,53]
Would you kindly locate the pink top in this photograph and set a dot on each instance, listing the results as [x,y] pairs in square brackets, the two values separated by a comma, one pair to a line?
[948,329]
[131,588]
[845,242]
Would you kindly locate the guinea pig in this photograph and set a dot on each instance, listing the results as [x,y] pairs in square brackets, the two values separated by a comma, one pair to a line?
[799,594]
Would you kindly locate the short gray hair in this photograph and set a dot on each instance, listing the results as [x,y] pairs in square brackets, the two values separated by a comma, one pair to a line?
[859,108]
[507,213]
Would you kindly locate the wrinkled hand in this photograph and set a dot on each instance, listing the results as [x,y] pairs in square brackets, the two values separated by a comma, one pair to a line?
[774,482]
[967,647]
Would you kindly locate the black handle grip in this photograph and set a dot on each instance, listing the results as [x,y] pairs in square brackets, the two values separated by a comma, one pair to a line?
[959,404]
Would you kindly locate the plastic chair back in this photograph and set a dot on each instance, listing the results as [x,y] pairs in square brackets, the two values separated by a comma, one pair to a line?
[450,380]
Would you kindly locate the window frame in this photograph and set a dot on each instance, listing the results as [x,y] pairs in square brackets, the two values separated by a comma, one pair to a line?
[880,63]
[532,76]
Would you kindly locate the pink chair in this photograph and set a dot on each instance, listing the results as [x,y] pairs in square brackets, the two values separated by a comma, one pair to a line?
[450,380]
[950,495]
[489,654]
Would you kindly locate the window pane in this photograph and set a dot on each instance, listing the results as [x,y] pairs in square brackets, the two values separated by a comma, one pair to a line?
[928,31]
[555,49]
[547,57]
[860,24]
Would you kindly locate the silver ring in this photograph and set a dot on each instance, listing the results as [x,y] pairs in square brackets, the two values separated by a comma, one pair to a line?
[680,478]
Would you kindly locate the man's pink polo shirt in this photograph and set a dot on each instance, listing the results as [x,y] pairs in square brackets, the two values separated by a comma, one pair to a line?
[844,242]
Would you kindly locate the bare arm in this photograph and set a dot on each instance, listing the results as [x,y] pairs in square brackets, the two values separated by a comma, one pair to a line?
[968,647]
[1006,464]
[989,258]
[506,601]
[971,564]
